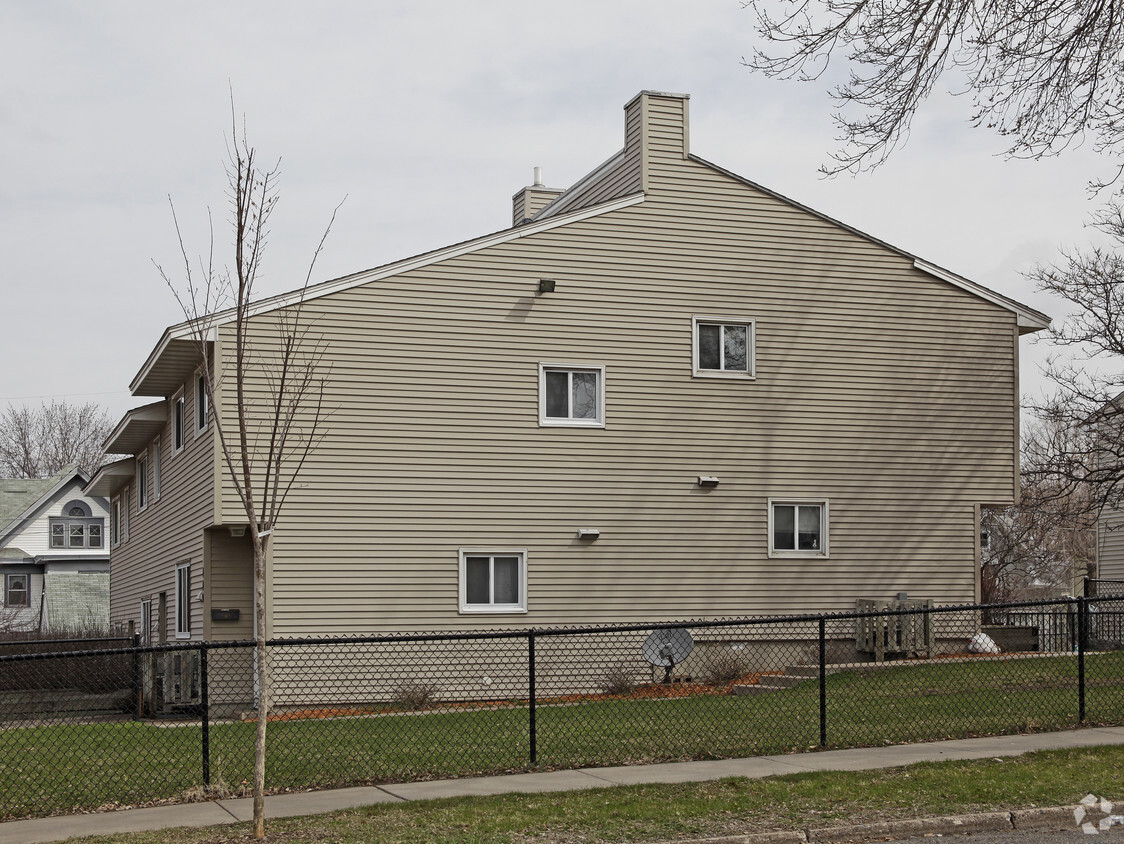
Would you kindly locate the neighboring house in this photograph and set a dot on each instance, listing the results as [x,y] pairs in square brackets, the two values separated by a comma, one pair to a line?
[54,555]
[747,406]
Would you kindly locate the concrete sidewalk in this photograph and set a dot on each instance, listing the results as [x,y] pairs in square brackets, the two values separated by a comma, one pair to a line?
[314,802]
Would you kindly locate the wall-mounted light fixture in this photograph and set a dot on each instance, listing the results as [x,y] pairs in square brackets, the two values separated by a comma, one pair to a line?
[237,531]
[707,482]
[588,534]
[546,285]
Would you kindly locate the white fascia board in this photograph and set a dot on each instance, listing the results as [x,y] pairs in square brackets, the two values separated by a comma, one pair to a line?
[1028,319]
[187,330]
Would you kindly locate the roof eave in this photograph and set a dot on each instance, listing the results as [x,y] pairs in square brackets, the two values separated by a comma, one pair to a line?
[111,477]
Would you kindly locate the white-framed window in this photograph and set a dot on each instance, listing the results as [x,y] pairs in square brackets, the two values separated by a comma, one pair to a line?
[183,601]
[178,410]
[17,590]
[155,452]
[493,581]
[571,395]
[115,522]
[201,404]
[142,480]
[798,527]
[146,622]
[724,347]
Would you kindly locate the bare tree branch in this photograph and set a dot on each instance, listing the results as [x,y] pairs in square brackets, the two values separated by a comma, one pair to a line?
[1044,73]
[41,442]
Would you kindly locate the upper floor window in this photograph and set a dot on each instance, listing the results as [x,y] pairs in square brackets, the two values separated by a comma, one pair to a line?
[142,480]
[201,403]
[572,395]
[77,528]
[155,458]
[119,518]
[17,592]
[178,409]
[798,528]
[724,347]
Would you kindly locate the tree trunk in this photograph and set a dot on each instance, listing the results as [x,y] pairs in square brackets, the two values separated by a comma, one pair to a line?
[263,686]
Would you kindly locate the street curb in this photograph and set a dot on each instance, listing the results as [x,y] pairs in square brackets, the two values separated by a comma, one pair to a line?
[912,828]
[1050,817]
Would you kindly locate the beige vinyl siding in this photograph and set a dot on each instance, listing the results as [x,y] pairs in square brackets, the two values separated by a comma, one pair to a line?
[230,584]
[1110,547]
[169,531]
[880,388]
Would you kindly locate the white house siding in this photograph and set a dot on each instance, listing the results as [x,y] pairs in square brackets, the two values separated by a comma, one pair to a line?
[35,536]
[168,532]
[880,388]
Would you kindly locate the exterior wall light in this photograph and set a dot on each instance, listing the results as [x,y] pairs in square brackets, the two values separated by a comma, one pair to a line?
[589,534]
[707,482]
[546,285]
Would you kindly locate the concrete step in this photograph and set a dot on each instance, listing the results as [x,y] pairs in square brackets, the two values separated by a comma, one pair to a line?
[781,681]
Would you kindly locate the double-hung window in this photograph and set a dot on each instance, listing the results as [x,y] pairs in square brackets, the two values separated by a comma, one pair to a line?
[724,347]
[798,528]
[183,601]
[17,592]
[572,395]
[493,581]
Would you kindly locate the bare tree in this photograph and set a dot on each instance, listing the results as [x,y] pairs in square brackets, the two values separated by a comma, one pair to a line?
[1082,443]
[274,366]
[1046,540]
[1044,74]
[41,442]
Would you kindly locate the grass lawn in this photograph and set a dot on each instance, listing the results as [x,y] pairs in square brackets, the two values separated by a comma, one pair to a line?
[61,768]
[696,810]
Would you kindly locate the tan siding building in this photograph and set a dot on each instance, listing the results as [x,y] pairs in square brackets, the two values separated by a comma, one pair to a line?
[855,406]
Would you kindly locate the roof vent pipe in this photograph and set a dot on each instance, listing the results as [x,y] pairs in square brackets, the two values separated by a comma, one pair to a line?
[538,177]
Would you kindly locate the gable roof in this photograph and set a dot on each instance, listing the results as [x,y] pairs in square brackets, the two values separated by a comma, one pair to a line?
[20,498]
[616,183]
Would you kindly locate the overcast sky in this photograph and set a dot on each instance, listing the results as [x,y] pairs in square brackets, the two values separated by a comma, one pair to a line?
[427,117]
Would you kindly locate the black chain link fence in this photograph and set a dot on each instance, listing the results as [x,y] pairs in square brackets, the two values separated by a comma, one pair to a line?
[125,725]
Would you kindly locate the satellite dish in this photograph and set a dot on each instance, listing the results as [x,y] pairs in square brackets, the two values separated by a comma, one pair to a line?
[667,648]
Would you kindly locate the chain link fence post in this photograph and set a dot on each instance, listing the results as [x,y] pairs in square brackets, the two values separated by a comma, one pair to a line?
[532,725]
[205,707]
[1082,640]
[823,681]
[136,679]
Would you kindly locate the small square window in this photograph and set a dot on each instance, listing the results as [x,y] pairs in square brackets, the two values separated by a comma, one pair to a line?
[724,347]
[572,395]
[16,590]
[798,528]
[493,581]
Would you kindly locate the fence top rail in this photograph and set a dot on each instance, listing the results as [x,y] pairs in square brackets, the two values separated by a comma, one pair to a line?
[136,649]
[15,643]
[523,633]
